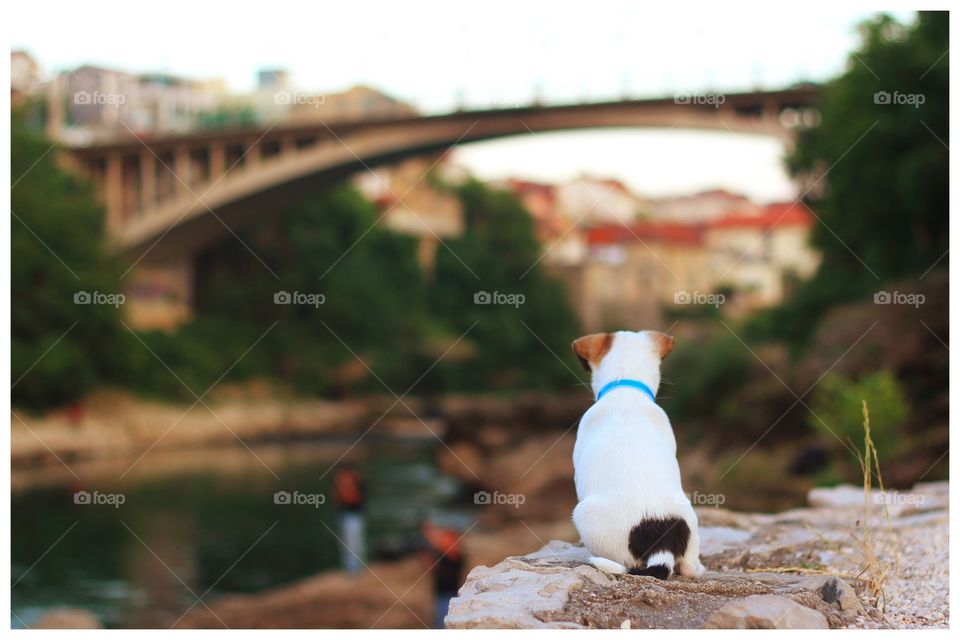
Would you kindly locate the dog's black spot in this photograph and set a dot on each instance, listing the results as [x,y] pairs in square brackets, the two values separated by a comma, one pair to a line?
[658,571]
[659,534]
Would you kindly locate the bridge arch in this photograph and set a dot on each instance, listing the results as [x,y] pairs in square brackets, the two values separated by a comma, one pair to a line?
[204,209]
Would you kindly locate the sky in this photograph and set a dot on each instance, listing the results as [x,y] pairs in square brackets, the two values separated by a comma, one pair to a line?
[437,55]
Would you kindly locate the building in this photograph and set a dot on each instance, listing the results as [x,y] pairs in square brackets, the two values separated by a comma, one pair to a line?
[276,100]
[92,103]
[597,201]
[98,102]
[752,253]
[561,238]
[700,207]
[632,273]
[357,103]
[410,201]
[24,76]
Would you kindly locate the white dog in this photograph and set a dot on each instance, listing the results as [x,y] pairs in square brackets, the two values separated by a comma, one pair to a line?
[632,513]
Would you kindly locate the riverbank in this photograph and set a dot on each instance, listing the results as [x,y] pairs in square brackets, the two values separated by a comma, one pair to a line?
[799,568]
[815,567]
[519,453]
[112,425]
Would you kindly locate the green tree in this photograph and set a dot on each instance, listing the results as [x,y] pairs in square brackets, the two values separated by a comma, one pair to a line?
[525,339]
[836,409]
[59,349]
[880,155]
[367,292]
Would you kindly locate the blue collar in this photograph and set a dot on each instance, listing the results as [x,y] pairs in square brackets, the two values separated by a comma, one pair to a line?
[626,382]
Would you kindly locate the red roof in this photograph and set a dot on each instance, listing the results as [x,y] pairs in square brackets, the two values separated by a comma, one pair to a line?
[670,232]
[613,183]
[773,215]
[722,193]
[525,186]
[781,214]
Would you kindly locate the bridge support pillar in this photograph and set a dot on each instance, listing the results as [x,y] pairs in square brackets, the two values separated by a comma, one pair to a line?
[160,296]
[771,112]
[254,154]
[113,192]
[148,180]
[181,168]
[218,161]
[287,145]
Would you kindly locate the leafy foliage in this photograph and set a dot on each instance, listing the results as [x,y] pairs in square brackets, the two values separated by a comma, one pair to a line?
[880,159]
[708,372]
[59,349]
[360,298]
[380,322]
[837,408]
[526,344]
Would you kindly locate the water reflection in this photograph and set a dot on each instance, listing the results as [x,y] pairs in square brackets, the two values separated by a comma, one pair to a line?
[198,525]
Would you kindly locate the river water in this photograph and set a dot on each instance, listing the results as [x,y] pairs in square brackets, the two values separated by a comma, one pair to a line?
[154,537]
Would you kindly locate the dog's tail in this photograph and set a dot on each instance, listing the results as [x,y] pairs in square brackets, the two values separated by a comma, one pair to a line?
[659,565]
[657,543]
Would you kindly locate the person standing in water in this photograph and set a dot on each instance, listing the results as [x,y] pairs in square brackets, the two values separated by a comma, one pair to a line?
[445,559]
[348,492]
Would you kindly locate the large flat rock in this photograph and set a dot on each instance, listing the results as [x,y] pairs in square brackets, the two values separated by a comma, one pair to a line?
[556,588]
[848,560]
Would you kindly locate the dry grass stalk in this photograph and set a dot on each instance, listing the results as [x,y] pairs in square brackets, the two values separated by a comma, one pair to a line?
[875,570]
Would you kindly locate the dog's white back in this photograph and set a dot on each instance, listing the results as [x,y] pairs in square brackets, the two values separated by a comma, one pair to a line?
[632,513]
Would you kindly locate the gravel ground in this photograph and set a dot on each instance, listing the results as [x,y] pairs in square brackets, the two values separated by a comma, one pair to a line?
[918,596]
[913,546]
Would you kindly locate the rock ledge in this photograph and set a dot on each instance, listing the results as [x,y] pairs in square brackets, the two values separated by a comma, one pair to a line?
[556,588]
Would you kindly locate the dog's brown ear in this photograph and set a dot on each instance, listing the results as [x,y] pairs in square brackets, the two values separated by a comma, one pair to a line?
[663,342]
[591,349]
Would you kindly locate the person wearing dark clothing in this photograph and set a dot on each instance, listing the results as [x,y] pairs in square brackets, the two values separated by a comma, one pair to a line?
[446,563]
[349,494]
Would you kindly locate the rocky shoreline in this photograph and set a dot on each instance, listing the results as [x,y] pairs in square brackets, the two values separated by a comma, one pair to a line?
[761,566]
[802,568]
[115,425]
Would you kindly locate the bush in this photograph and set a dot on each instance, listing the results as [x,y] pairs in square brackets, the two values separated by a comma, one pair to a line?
[59,350]
[837,409]
[373,301]
[707,373]
[524,345]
